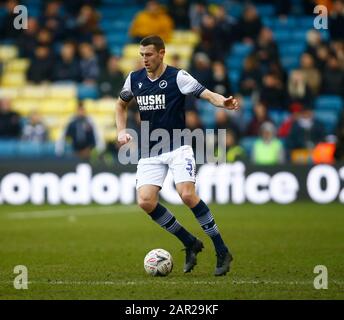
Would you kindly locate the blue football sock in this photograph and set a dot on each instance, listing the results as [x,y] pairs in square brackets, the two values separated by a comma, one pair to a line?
[165,219]
[207,222]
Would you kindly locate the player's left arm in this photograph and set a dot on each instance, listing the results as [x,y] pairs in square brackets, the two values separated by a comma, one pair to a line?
[220,101]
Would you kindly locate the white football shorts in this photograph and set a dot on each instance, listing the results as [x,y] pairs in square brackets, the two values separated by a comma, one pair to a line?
[153,170]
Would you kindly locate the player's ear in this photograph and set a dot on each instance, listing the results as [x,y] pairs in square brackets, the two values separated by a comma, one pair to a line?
[162,52]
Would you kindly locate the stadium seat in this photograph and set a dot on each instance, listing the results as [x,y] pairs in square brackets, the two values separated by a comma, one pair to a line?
[34,92]
[7,147]
[87,91]
[17,65]
[329,119]
[247,143]
[8,52]
[13,79]
[9,93]
[241,49]
[329,102]
[247,103]
[62,91]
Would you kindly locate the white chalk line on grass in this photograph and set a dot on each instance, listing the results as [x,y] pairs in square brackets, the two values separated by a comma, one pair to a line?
[55,213]
[168,282]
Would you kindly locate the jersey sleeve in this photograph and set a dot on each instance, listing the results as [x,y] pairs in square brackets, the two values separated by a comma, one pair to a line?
[126,94]
[188,84]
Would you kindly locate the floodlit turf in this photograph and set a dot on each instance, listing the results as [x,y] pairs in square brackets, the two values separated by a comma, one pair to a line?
[97,252]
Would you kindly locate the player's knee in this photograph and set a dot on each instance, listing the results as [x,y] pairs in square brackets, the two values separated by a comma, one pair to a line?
[147,203]
[189,198]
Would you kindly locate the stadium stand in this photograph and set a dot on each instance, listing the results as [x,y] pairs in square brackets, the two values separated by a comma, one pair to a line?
[57,101]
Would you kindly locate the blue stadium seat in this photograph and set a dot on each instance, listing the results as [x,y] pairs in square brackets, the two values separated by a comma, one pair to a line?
[288,23]
[234,63]
[266,9]
[241,49]
[290,62]
[234,77]
[247,103]
[247,143]
[278,116]
[329,102]
[247,116]
[29,149]
[282,35]
[293,48]
[329,118]
[7,147]
[87,92]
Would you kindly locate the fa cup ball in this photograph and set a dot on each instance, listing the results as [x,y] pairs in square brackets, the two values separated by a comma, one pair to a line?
[158,262]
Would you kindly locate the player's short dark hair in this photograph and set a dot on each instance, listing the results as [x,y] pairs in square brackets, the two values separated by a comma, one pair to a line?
[156,41]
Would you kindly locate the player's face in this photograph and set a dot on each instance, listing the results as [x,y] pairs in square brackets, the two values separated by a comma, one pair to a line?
[151,58]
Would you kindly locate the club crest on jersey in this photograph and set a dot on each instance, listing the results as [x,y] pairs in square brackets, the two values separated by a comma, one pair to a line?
[140,85]
[163,84]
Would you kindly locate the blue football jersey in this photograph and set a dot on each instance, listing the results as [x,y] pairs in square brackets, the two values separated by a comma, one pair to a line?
[161,101]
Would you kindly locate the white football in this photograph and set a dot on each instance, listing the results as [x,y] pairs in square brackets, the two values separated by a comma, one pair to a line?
[158,262]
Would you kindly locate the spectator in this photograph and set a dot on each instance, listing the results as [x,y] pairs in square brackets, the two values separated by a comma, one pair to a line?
[273,93]
[250,79]
[311,75]
[152,20]
[83,134]
[202,70]
[233,152]
[34,130]
[306,131]
[285,127]
[268,150]
[313,40]
[6,24]
[198,9]
[226,29]
[67,68]
[89,67]
[101,49]
[41,66]
[298,89]
[336,21]
[110,81]
[321,56]
[260,116]
[176,61]
[10,127]
[179,12]
[266,48]
[223,120]
[220,78]
[333,78]
[27,40]
[53,21]
[86,23]
[249,25]
[44,38]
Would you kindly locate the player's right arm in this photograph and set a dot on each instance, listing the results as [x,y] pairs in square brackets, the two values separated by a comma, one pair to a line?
[122,113]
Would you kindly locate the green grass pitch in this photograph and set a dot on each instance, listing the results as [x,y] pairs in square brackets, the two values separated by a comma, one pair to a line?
[96,252]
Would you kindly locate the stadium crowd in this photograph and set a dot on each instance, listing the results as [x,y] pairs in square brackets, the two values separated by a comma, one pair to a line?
[66,43]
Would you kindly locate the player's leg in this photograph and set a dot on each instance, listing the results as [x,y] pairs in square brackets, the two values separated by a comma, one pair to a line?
[150,178]
[183,168]
[147,196]
[205,218]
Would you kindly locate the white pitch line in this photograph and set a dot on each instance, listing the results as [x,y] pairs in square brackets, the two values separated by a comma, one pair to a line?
[70,212]
[168,282]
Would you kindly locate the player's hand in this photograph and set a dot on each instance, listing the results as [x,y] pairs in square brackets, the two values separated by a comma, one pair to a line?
[231,103]
[124,138]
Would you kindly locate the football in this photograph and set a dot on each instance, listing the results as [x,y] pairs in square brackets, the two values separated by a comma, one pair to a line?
[158,262]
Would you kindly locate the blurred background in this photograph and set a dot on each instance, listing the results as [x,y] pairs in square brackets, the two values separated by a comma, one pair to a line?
[60,77]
